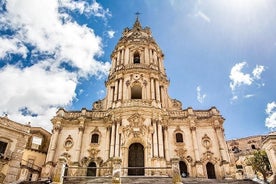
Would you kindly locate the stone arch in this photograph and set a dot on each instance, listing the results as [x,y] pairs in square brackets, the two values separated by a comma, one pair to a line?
[95,132]
[136,58]
[178,135]
[136,92]
[136,158]
[91,169]
[183,168]
[210,170]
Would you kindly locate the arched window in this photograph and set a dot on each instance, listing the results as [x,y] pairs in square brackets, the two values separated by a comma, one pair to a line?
[136,58]
[253,146]
[136,92]
[95,138]
[179,137]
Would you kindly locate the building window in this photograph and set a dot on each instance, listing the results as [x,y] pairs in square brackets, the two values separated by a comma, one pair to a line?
[239,166]
[179,137]
[235,149]
[95,138]
[136,58]
[253,146]
[136,92]
[3,147]
[36,142]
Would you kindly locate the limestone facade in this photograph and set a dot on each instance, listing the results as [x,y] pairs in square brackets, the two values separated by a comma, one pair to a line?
[13,140]
[138,123]
[241,149]
[34,154]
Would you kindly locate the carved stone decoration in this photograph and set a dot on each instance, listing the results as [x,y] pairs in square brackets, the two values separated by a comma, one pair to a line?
[206,141]
[97,105]
[65,156]
[189,159]
[68,144]
[181,152]
[209,156]
[127,83]
[145,83]
[93,152]
[135,126]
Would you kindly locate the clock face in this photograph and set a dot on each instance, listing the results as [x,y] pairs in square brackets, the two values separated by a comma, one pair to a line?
[136,76]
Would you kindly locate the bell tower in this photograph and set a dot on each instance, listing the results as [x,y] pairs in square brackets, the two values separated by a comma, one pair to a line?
[137,72]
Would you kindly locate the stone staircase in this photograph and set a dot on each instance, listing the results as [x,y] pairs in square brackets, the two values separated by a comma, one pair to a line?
[152,180]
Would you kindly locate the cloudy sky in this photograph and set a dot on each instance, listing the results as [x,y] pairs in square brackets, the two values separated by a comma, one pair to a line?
[56,53]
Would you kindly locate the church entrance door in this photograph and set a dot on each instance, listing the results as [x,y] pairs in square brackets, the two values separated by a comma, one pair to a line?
[136,159]
[91,170]
[210,170]
[183,169]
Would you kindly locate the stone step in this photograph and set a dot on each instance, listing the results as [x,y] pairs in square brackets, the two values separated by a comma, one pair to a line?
[152,180]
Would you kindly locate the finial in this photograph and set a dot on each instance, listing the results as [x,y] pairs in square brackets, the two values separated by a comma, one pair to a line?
[137,14]
[137,23]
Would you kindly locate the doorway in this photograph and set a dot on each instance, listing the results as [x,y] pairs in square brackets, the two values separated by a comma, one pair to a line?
[136,159]
[91,170]
[210,170]
[183,169]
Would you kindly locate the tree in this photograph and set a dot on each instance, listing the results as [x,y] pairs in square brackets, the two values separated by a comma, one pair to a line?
[260,163]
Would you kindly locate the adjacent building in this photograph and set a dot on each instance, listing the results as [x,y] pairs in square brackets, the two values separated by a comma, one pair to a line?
[23,151]
[13,140]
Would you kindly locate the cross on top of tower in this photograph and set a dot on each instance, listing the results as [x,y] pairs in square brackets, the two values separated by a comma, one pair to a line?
[137,14]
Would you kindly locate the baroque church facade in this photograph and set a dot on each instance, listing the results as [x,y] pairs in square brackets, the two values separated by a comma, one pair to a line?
[138,123]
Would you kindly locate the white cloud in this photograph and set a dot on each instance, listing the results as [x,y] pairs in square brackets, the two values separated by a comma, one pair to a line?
[200,98]
[238,78]
[203,16]
[249,95]
[35,89]
[83,7]
[111,33]
[258,70]
[35,92]
[12,45]
[270,121]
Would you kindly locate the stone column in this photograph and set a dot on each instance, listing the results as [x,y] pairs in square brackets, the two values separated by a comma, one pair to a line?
[116,91]
[126,56]
[118,58]
[176,178]
[120,89]
[117,141]
[194,139]
[146,56]
[150,55]
[54,139]
[108,141]
[152,88]
[157,90]
[160,140]
[116,173]
[112,140]
[166,143]
[155,146]
[220,138]
[122,56]
[79,141]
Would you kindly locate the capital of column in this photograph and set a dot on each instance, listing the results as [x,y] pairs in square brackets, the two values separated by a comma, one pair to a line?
[57,124]
[81,123]
[217,125]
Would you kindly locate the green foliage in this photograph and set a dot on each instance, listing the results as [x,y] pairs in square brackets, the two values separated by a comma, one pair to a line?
[259,163]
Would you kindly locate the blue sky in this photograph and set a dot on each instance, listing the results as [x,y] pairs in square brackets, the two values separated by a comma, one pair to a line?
[217,53]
